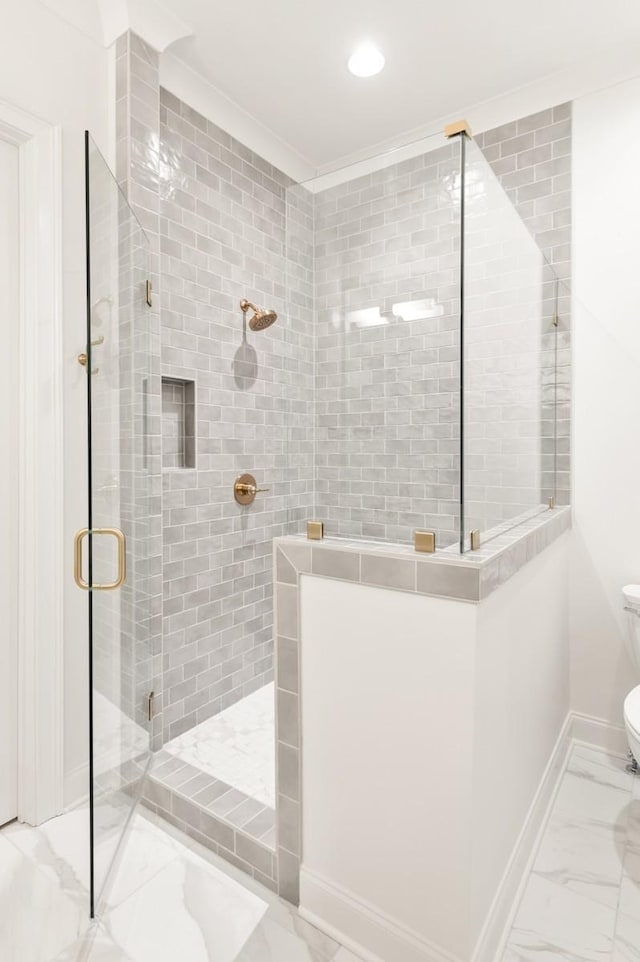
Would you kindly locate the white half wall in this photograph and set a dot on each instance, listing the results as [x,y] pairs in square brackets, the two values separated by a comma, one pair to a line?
[606,413]
[387,713]
[522,704]
[428,729]
[52,70]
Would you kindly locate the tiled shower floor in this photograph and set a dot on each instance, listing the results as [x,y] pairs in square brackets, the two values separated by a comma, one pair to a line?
[237,746]
[218,780]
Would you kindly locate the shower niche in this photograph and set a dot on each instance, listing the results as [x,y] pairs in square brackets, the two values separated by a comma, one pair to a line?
[178,423]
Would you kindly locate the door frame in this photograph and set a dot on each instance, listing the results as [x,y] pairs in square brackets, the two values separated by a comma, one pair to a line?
[40,549]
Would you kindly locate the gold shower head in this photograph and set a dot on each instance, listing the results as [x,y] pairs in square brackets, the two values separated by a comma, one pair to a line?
[261,318]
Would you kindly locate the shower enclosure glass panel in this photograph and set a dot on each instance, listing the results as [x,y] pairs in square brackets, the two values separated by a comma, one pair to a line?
[386,285]
[117,365]
[511,304]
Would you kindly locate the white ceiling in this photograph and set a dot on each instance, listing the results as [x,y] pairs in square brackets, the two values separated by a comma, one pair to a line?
[273,72]
[284,62]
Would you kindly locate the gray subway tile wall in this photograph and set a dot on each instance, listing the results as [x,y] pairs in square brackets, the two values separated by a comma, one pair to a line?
[387,305]
[137,170]
[345,416]
[506,316]
[532,159]
[387,388]
[223,219]
[380,433]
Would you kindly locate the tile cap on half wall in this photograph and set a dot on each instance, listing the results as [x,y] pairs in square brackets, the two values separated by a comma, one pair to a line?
[471,577]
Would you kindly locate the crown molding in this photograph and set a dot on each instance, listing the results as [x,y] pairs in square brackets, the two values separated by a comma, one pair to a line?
[106,20]
[570,84]
[146,18]
[191,87]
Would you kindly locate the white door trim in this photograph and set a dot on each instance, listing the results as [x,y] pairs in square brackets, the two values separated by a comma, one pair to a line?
[40,468]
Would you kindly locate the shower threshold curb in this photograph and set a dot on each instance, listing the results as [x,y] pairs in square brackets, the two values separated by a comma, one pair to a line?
[225,820]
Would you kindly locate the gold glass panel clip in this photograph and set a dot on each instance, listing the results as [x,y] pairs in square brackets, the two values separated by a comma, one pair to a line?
[425,541]
[315,530]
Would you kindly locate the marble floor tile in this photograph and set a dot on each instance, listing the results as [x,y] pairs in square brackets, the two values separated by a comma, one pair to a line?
[583,855]
[593,790]
[630,885]
[60,849]
[272,943]
[171,901]
[94,946]
[146,852]
[37,918]
[189,910]
[554,924]
[633,818]
[600,767]
[627,940]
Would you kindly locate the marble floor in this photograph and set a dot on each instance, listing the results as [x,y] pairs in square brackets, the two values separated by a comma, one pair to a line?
[581,901]
[237,746]
[171,900]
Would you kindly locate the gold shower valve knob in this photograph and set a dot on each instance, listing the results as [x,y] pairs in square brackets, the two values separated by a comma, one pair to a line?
[245,489]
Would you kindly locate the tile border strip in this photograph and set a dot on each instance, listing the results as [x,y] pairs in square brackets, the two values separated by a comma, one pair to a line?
[461,578]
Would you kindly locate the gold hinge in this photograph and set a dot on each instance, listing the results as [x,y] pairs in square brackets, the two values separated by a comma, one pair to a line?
[151,706]
[83,359]
[475,539]
[149,290]
[457,127]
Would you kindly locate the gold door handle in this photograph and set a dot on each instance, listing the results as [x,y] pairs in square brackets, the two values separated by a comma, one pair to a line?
[122,559]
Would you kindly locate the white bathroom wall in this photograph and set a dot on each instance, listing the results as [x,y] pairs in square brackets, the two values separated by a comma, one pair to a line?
[387,712]
[522,703]
[9,312]
[50,69]
[606,453]
[428,726]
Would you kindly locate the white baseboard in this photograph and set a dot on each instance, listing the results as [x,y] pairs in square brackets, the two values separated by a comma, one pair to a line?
[599,733]
[366,931]
[373,936]
[507,897]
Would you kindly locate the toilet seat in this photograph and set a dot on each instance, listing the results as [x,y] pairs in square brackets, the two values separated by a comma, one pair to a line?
[632,711]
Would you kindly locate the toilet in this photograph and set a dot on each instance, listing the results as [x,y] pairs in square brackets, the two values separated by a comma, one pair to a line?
[631,595]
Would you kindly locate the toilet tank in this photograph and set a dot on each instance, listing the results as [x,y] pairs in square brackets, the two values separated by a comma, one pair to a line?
[631,595]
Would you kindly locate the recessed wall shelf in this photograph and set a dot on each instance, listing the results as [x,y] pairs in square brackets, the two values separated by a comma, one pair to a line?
[178,423]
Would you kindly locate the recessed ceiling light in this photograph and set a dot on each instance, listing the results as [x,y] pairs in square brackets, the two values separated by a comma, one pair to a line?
[366,61]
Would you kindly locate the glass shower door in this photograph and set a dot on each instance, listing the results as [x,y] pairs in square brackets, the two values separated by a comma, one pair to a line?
[115,542]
